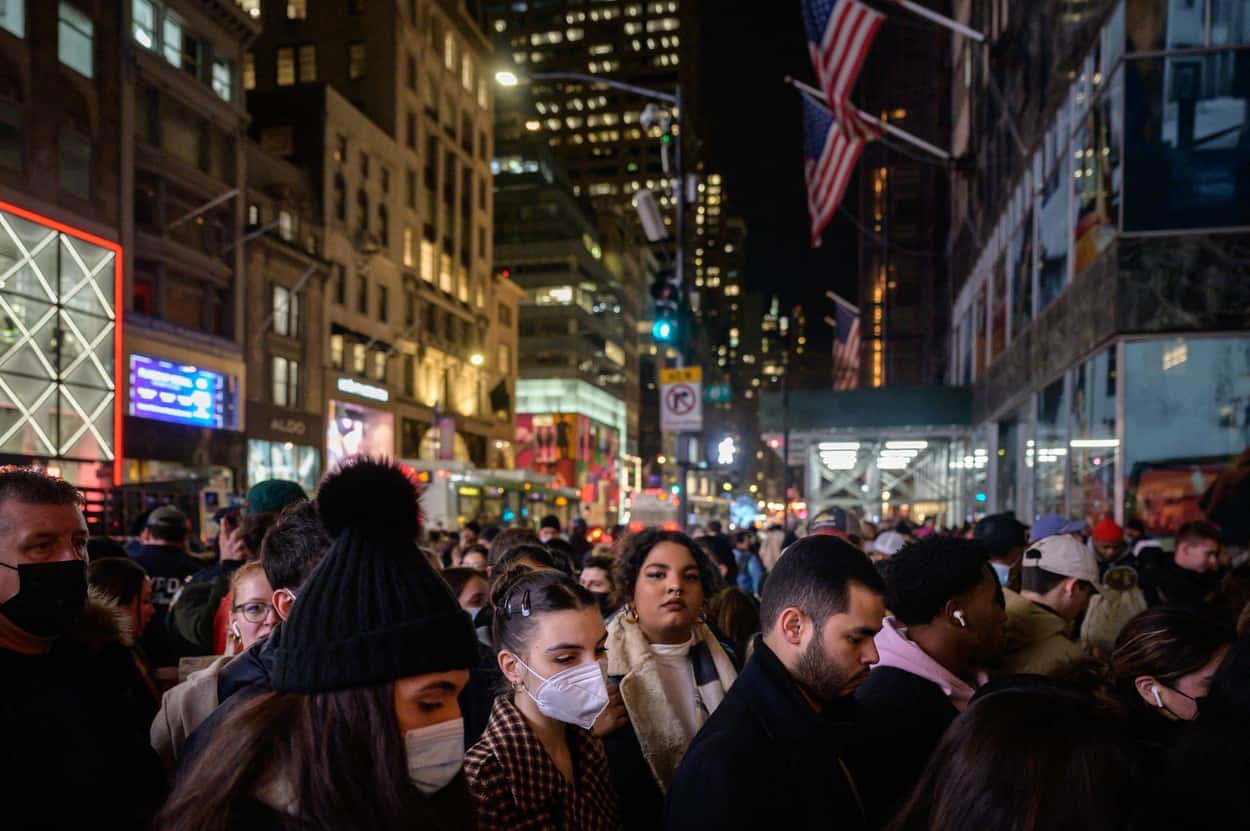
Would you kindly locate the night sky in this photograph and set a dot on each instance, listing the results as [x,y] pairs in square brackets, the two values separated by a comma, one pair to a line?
[754,136]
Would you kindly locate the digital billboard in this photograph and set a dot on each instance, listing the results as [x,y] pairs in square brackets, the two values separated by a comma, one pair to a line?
[353,430]
[178,393]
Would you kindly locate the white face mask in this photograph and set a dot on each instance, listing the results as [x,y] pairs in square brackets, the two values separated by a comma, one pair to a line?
[435,754]
[575,696]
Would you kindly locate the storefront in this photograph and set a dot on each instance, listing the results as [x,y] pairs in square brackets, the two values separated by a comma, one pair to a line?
[283,444]
[579,453]
[357,429]
[59,348]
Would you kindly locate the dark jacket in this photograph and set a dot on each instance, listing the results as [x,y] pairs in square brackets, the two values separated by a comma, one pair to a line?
[766,759]
[722,550]
[169,567]
[903,719]
[74,749]
[1165,583]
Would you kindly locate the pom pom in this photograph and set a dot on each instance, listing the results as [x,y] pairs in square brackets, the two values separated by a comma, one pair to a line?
[375,497]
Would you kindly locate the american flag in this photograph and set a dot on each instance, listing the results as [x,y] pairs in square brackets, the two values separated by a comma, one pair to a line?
[846,346]
[829,158]
[839,35]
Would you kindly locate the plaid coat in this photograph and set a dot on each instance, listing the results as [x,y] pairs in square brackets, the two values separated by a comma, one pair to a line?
[515,785]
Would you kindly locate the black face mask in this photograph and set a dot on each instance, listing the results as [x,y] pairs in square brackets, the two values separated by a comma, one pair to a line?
[50,597]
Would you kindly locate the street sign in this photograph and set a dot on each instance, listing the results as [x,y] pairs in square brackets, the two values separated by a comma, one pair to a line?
[681,400]
[717,393]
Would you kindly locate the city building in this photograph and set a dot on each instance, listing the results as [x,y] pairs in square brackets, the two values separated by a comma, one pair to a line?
[903,205]
[286,332]
[61,243]
[182,168]
[571,408]
[415,366]
[1100,252]
[422,340]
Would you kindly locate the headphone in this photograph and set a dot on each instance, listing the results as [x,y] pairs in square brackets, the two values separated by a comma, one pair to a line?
[959,616]
[1155,692]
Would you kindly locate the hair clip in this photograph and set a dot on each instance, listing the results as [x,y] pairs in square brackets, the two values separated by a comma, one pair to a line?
[525,604]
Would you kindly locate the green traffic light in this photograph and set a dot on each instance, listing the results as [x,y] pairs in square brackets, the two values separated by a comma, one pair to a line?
[663,330]
[666,138]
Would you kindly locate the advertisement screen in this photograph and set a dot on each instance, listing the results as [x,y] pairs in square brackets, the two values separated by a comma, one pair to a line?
[178,393]
[353,430]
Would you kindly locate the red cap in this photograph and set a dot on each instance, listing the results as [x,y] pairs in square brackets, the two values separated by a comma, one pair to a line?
[1107,531]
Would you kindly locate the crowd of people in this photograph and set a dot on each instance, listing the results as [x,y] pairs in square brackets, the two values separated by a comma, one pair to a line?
[336,665]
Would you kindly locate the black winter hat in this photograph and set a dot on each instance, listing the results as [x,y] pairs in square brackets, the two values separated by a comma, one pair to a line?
[373,610]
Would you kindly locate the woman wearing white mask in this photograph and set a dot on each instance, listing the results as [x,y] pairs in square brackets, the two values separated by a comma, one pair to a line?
[537,765]
[362,727]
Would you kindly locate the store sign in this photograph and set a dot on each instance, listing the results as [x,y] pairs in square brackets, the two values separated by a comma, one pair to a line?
[354,387]
[178,393]
[276,424]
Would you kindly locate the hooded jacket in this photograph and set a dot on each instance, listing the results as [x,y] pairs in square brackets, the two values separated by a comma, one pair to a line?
[1038,639]
[767,759]
[73,719]
[906,704]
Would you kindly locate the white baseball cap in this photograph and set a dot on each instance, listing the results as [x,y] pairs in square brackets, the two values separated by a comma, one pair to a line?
[1065,556]
[887,543]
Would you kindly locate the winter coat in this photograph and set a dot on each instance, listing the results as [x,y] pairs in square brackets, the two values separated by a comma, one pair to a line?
[169,567]
[1207,771]
[73,737]
[184,708]
[645,752]
[1166,583]
[516,786]
[767,759]
[193,619]
[1038,639]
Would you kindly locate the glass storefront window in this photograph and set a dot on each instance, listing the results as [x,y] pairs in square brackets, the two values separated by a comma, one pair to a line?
[1093,440]
[1185,418]
[1185,149]
[283,460]
[1008,462]
[1049,450]
[1096,176]
[1020,272]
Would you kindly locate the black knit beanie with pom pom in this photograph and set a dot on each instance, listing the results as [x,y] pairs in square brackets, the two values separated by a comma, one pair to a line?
[373,610]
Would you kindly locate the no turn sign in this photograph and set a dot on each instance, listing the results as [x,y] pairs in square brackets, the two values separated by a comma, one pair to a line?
[681,400]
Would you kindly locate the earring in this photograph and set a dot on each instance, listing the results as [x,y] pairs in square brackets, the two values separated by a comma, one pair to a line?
[631,614]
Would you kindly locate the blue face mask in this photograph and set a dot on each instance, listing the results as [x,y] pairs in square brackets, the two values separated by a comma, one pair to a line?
[1003,572]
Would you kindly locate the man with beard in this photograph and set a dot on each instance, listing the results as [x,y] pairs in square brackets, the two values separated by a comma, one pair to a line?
[948,624]
[771,754]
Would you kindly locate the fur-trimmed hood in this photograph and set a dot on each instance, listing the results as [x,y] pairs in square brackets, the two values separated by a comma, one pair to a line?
[655,722]
[103,623]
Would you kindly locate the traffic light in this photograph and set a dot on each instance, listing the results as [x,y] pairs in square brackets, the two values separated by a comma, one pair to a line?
[666,290]
[664,330]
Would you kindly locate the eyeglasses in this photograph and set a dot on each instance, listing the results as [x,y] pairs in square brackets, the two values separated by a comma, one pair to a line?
[254,612]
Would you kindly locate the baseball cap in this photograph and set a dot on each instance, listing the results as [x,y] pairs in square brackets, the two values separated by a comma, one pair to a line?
[888,543]
[830,520]
[167,516]
[1061,554]
[1108,531]
[1001,531]
[1048,525]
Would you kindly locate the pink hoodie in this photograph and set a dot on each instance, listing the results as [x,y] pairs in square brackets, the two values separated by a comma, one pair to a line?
[899,652]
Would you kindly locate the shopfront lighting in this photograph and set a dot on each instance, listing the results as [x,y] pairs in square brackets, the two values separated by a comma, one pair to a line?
[506,79]
[1094,443]
[477,359]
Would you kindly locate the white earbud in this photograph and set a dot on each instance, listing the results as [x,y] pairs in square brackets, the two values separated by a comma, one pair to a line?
[1155,692]
[959,616]
[234,630]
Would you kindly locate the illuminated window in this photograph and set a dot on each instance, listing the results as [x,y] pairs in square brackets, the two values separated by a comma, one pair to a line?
[575,34]
[286,66]
[466,74]
[449,50]
[307,63]
[75,40]
[601,49]
[285,382]
[409,255]
[356,66]
[296,9]
[249,71]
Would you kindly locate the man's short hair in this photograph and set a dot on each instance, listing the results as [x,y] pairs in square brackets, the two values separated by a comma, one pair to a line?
[510,538]
[1196,531]
[814,575]
[742,537]
[294,545]
[24,484]
[473,525]
[1039,580]
[714,527]
[924,575]
[550,521]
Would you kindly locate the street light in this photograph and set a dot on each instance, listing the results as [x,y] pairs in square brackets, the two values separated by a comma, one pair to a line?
[506,79]
[477,359]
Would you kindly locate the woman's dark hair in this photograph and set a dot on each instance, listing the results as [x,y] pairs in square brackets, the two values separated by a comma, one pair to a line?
[119,578]
[302,740]
[508,539]
[632,551]
[478,548]
[537,553]
[1029,759]
[736,615]
[254,527]
[459,576]
[562,553]
[924,575]
[1165,642]
[521,594]
[1230,687]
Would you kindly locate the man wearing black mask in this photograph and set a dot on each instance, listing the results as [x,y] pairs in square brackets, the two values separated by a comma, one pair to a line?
[73,753]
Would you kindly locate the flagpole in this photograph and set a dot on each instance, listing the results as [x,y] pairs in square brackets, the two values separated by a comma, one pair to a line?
[887,127]
[942,20]
[837,298]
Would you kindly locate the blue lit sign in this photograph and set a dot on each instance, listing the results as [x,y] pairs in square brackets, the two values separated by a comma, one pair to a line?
[177,393]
